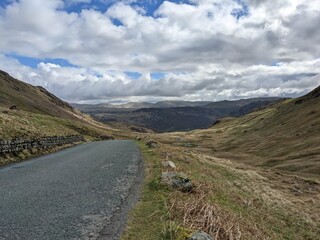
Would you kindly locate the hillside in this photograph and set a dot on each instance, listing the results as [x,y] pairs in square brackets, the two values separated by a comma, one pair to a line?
[35,112]
[34,99]
[284,135]
[256,176]
[168,116]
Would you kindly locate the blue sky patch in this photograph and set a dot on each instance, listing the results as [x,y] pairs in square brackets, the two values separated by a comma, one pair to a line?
[157,75]
[33,62]
[133,75]
[116,22]
[4,3]
[240,12]
[275,64]
[98,5]
[150,6]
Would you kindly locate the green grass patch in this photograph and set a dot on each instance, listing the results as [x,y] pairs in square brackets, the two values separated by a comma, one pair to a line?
[149,219]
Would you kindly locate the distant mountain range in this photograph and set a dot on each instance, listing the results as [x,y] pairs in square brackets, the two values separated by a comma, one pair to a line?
[137,105]
[166,116]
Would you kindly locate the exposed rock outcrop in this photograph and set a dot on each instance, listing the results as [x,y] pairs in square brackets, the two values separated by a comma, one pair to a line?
[177,180]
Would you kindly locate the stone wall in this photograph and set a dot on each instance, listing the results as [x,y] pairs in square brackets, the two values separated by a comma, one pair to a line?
[17,145]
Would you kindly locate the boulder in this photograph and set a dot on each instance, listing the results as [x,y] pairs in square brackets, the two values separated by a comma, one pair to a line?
[169,164]
[177,180]
[200,236]
[152,144]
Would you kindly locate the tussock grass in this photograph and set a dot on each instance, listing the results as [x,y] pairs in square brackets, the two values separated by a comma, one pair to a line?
[233,200]
[197,213]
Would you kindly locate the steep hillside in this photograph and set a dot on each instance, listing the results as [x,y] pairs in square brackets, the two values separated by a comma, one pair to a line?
[184,116]
[32,99]
[29,111]
[285,135]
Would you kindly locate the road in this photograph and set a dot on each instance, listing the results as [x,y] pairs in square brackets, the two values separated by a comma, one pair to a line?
[83,192]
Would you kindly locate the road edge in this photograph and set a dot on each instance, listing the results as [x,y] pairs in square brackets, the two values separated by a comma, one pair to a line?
[113,228]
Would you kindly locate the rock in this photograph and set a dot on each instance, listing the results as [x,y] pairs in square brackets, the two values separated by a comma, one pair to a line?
[200,236]
[152,144]
[169,164]
[13,107]
[177,180]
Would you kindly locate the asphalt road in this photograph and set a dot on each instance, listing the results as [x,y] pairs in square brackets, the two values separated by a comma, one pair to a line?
[83,192]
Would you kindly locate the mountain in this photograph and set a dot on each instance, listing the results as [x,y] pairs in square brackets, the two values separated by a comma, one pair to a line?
[284,135]
[30,111]
[169,116]
[107,107]
[102,107]
[171,104]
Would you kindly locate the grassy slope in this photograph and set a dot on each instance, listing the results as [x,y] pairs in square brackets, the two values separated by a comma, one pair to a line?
[32,99]
[256,177]
[231,200]
[40,113]
[284,136]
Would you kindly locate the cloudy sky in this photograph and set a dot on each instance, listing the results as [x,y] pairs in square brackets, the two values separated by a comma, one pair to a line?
[130,50]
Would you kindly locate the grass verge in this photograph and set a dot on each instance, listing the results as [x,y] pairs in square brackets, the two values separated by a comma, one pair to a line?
[150,216]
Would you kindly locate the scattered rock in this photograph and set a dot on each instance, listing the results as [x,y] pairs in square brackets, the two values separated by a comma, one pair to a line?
[152,144]
[200,236]
[177,180]
[13,107]
[169,164]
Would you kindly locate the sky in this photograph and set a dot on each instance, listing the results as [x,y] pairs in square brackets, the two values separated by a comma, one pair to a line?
[90,51]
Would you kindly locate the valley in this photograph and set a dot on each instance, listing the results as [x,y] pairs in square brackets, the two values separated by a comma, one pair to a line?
[255,168]
[170,116]
[159,120]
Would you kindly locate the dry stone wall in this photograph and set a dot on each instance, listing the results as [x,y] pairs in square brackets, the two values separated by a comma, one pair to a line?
[17,145]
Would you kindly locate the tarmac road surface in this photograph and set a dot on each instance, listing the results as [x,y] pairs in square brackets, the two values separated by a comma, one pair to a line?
[83,192]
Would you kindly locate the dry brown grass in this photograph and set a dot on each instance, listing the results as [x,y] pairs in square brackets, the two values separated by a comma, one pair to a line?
[284,136]
[198,214]
[233,200]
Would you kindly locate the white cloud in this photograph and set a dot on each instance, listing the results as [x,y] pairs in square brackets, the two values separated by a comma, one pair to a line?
[204,50]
